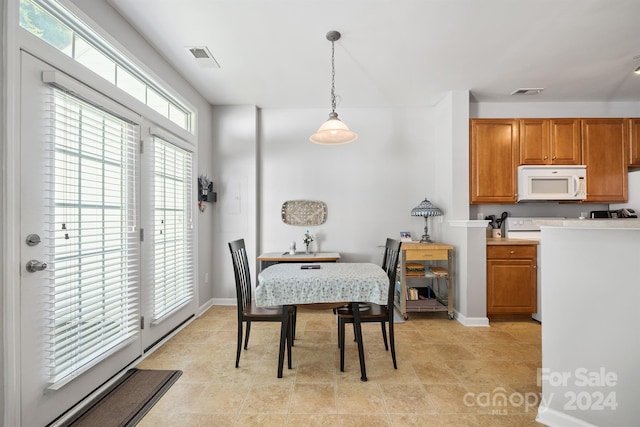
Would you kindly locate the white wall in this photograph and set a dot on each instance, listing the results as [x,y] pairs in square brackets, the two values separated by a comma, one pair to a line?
[3,181]
[466,236]
[235,215]
[369,186]
[101,12]
[535,109]
[634,193]
[590,309]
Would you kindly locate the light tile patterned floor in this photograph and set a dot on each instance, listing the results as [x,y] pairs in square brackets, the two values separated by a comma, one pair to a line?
[448,375]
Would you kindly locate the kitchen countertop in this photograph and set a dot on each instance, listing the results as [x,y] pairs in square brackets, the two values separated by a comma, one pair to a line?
[625,223]
[491,241]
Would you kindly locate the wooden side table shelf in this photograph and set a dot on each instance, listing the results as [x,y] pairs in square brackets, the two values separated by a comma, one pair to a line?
[433,256]
[271,258]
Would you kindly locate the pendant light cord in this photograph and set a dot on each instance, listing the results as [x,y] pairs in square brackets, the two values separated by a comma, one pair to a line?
[333,78]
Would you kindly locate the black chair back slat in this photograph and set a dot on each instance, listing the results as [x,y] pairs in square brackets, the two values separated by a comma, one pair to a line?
[241,272]
[390,265]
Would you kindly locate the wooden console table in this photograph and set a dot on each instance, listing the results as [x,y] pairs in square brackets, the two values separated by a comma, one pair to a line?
[271,258]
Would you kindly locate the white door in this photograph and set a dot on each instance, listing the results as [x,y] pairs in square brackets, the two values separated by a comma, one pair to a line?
[78,329]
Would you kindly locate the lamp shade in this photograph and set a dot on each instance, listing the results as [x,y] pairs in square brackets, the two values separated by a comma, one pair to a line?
[333,132]
[426,208]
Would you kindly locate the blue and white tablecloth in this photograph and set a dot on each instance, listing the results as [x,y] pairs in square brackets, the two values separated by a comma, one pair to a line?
[288,284]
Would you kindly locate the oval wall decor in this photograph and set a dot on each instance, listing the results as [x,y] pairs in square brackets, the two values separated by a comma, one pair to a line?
[304,212]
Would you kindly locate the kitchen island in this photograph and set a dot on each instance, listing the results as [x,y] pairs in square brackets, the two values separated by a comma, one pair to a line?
[590,340]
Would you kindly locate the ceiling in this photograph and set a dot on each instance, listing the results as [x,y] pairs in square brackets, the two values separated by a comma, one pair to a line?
[400,53]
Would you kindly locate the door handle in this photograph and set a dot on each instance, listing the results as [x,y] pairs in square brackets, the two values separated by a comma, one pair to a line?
[35,265]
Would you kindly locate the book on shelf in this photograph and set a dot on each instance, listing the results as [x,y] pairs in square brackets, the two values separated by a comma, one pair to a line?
[414,269]
[439,271]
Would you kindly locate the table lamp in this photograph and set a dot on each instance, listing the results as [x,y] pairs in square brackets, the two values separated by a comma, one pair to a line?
[426,209]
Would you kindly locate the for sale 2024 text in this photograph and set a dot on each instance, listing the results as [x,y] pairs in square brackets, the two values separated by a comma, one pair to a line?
[591,390]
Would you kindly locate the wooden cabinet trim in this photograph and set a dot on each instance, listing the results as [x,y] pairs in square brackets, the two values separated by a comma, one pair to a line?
[634,144]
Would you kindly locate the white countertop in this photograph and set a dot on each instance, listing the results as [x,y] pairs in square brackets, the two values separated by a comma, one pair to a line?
[599,223]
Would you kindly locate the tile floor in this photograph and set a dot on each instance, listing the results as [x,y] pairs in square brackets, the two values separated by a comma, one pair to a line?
[448,375]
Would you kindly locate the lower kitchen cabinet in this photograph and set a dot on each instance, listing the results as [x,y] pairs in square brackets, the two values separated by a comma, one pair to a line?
[512,279]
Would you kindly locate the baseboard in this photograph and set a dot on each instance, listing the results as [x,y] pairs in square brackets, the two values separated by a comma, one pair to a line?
[472,321]
[466,321]
[203,308]
[224,301]
[552,418]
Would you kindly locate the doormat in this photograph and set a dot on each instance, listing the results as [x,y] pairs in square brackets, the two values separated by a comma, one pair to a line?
[126,402]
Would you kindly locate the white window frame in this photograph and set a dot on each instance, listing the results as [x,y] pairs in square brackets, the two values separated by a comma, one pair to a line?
[82,32]
[50,54]
[160,274]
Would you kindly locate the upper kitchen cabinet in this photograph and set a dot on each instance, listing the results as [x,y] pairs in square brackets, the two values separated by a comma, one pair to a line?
[634,128]
[550,142]
[605,148]
[494,155]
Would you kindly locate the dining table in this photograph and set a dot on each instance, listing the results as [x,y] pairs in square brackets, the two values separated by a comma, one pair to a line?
[330,284]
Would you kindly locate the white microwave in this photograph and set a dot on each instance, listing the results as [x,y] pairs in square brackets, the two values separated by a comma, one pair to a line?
[552,183]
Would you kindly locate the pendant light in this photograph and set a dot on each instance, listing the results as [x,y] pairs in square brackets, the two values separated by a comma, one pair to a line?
[334,131]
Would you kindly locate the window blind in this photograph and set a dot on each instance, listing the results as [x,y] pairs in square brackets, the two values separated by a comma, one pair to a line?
[94,248]
[172,228]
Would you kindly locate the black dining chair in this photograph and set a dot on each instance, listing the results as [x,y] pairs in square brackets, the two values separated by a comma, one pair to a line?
[247,310]
[374,313]
[390,248]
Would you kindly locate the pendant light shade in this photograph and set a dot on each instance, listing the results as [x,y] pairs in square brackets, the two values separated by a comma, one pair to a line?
[334,131]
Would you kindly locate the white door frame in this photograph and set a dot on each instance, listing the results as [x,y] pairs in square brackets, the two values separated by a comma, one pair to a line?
[10,218]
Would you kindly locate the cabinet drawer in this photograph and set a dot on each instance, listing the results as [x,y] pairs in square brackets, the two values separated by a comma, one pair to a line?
[515,251]
[426,254]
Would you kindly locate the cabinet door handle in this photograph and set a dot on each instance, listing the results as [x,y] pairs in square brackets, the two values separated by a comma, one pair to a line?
[512,252]
[535,266]
[553,158]
[545,157]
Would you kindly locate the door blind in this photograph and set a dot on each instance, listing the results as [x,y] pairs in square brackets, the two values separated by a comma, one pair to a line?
[94,252]
[172,228]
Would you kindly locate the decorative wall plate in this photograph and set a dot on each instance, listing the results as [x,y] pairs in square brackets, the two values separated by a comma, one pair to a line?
[304,212]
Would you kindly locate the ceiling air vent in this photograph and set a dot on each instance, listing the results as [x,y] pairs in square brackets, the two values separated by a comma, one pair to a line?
[203,57]
[528,91]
